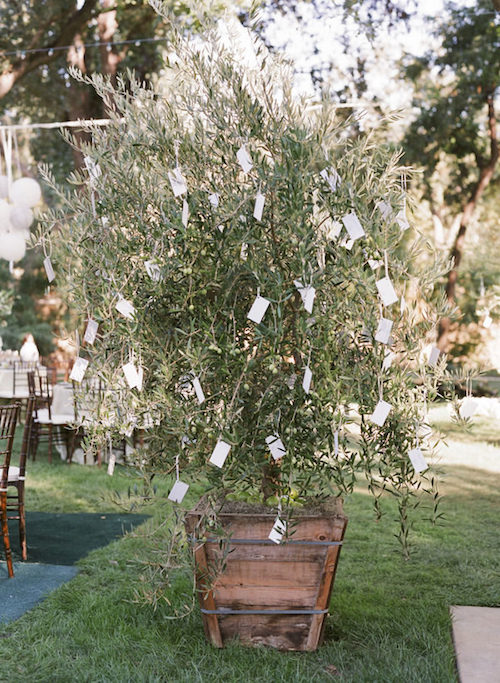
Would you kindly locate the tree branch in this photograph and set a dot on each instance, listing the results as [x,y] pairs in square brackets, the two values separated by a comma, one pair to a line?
[68,29]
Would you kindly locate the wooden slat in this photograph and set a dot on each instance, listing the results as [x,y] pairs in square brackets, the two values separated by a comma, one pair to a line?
[272,573]
[280,632]
[262,597]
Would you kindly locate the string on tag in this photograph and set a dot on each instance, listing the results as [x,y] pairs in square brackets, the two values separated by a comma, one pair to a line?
[6,138]
[176,152]
[46,252]
[381,388]
[18,160]
[386,264]
[403,181]
[336,442]
[416,433]
[77,341]
[177,467]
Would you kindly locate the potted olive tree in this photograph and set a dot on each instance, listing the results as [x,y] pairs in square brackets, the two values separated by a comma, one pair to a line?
[251,297]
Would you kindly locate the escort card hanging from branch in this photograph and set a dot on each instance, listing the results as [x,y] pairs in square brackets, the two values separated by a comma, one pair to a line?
[353,226]
[417,460]
[384,329]
[220,453]
[258,309]
[278,531]
[214,199]
[49,270]
[276,447]
[331,176]
[177,182]
[185,213]
[386,291]
[124,307]
[90,331]
[244,159]
[259,206]
[306,382]
[179,489]
[78,371]
[198,390]
[307,294]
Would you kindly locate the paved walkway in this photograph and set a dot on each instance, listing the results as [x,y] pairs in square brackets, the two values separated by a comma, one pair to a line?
[476,634]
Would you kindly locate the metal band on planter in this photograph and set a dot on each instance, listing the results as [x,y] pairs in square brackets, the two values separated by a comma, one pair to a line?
[223,611]
[250,541]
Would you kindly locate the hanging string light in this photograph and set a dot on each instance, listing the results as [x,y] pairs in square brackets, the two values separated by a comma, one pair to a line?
[23,53]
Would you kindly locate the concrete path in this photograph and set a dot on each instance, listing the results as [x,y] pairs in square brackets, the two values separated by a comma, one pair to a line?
[476,634]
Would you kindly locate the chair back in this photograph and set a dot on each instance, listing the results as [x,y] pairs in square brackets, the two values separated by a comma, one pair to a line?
[25,444]
[40,388]
[8,421]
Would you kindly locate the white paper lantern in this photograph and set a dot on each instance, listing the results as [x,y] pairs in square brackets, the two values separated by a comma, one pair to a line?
[12,246]
[21,217]
[4,187]
[4,215]
[26,192]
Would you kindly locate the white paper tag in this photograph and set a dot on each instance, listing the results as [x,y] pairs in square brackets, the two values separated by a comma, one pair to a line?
[278,531]
[111,463]
[307,294]
[379,415]
[331,176]
[220,228]
[214,199]
[417,460]
[259,206]
[130,372]
[124,307]
[244,159]
[259,307]
[275,445]
[347,244]
[79,369]
[198,390]
[434,356]
[402,221]
[185,213]
[179,490]
[374,264]
[93,168]
[487,321]
[334,230]
[353,226]
[153,270]
[220,453]
[385,209]
[90,331]
[389,357]
[384,329]
[177,182]
[468,407]
[47,264]
[402,306]
[244,251]
[140,378]
[386,291]
[306,382]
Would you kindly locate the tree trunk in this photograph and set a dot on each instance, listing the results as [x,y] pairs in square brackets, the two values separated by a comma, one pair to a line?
[485,176]
[79,104]
[69,27]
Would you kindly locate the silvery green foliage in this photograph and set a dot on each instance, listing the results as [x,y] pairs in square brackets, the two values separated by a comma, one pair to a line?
[191,316]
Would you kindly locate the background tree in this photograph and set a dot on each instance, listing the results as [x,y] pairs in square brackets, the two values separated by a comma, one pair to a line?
[454,136]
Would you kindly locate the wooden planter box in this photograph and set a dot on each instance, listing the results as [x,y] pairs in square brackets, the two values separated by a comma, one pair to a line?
[267,594]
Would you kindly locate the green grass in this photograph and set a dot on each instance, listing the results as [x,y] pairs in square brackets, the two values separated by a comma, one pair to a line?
[389,621]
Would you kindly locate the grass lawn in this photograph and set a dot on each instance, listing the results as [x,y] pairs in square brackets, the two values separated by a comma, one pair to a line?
[389,618]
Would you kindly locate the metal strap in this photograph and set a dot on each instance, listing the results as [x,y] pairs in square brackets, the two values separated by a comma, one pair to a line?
[250,541]
[223,611]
